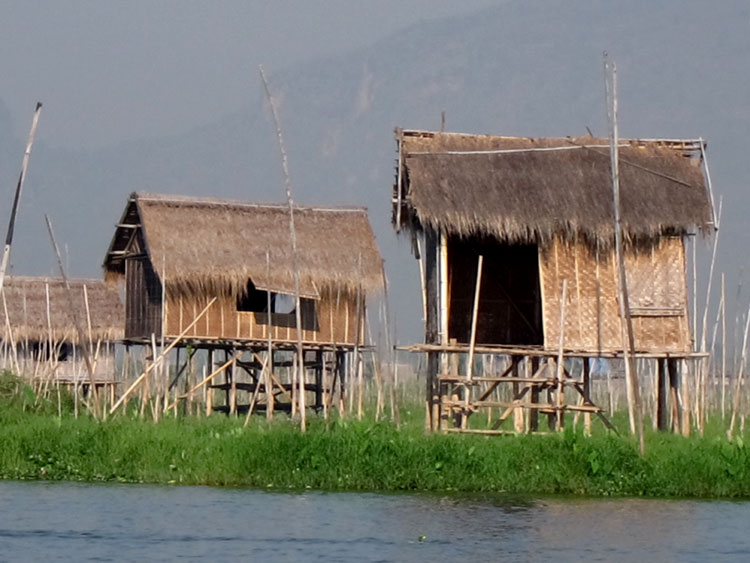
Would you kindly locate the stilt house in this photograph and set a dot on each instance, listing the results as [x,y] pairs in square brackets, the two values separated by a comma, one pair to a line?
[39,333]
[540,211]
[175,254]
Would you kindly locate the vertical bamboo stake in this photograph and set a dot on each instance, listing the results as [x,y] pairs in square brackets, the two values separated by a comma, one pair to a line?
[50,361]
[9,332]
[295,266]
[377,368]
[723,348]
[704,328]
[74,315]
[740,380]
[162,377]
[634,410]
[17,196]
[472,343]
[712,353]
[357,359]
[156,378]
[268,379]
[560,359]
[391,352]
[422,278]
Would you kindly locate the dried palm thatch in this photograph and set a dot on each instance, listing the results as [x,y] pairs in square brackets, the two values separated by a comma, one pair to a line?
[207,246]
[530,190]
[26,301]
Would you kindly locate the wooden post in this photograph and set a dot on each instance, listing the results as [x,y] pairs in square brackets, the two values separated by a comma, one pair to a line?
[661,394]
[518,417]
[207,390]
[432,328]
[319,370]
[534,413]
[674,385]
[587,392]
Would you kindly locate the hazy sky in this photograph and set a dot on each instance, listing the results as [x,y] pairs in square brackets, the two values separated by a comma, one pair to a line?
[112,71]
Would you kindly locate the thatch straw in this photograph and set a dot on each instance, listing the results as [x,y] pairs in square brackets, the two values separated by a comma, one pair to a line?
[213,246]
[534,195]
[107,312]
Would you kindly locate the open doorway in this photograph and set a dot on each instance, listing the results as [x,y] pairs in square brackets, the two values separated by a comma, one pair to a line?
[510,304]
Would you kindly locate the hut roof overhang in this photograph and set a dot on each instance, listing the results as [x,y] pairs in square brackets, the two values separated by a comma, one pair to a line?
[532,189]
[208,246]
[30,318]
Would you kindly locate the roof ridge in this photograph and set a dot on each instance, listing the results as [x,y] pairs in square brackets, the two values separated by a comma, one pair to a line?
[202,200]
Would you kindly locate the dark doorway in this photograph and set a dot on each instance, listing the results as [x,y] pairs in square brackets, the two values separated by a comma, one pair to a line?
[510,304]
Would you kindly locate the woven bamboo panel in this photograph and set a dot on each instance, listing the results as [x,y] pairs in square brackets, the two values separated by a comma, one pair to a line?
[330,321]
[656,283]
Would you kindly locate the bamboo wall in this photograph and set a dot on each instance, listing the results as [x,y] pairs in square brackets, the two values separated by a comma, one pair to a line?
[331,319]
[142,299]
[324,323]
[657,296]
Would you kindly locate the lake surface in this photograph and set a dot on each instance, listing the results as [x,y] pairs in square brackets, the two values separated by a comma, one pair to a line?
[84,522]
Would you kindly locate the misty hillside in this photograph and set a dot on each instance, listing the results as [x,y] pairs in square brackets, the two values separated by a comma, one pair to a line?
[521,68]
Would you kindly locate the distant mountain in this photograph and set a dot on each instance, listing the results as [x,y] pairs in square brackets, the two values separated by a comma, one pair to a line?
[521,68]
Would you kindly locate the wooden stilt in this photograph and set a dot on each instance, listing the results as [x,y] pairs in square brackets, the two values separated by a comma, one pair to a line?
[587,392]
[662,378]
[518,417]
[674,387]
[534,413]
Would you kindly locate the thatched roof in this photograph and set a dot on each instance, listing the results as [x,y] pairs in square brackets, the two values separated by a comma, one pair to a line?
[213,247]
[26,301]
[519,190]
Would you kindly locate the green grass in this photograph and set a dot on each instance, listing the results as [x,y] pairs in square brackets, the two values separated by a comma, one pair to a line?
[36,443]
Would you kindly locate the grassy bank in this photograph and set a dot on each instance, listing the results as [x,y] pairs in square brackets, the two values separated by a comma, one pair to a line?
[41,439]
[363,456]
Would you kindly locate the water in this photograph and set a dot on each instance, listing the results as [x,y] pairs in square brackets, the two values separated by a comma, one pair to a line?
[81,522]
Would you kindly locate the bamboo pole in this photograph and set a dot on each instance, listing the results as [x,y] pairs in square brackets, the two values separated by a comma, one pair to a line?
[704,326]
[712,352]
[295,265]
[166,351]
[634,410]
[739,380]
[76,321]
[472,344]
[391,357]
[269,372]
[17,196]
[9,332]
[560,359]
[357,359]
[162,378]
[156,379]
[723,347]
[422,278]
